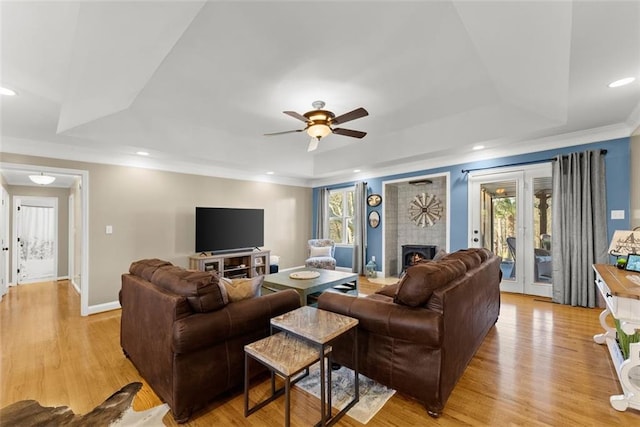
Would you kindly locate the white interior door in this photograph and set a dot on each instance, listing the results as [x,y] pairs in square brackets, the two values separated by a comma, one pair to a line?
[510,214]
[4,243]
[36,232]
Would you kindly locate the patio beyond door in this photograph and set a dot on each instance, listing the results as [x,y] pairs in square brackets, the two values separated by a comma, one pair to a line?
[510,214]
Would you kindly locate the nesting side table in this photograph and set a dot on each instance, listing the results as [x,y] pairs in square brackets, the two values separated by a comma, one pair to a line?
[305,337]
[285,355]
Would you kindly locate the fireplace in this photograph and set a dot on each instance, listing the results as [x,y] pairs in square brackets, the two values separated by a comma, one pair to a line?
[411,254]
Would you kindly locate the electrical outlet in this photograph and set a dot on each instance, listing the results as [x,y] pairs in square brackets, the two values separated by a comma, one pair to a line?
[109,229]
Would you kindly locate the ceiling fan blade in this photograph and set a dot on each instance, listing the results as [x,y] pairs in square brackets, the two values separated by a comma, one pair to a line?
[296,115]
[351,115]
[349,132]
[313,144]
[282,133]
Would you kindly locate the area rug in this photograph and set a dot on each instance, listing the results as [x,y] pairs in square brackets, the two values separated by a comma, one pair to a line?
[116,411]
[383,280]
[373,396]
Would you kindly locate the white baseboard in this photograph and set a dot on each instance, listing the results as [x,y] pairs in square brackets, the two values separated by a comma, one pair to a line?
[100,308]
[75,286]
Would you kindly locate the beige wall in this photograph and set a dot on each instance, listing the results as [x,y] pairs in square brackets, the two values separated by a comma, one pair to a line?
[62,194]
[635,180]
[152,215]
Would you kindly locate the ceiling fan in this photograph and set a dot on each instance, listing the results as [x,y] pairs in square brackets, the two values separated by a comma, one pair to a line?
[319,123]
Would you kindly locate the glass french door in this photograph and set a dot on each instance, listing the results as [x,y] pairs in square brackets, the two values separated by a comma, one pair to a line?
[510,214]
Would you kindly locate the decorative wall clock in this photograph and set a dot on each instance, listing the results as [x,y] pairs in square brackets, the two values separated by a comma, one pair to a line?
[374,200]
[425,209]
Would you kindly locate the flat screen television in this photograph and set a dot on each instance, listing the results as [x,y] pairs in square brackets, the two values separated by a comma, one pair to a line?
[228,229]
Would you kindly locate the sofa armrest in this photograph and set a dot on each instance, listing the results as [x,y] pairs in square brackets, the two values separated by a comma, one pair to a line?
[148,313]
[387,318]
[239,318]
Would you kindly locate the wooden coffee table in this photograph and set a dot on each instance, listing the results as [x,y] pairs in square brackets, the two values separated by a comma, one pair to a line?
[305,287]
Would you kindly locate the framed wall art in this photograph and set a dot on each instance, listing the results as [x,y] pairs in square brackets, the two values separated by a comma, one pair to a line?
[374,219]
[374,200]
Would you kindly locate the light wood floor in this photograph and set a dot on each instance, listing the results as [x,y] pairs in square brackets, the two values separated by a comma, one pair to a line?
[538,366]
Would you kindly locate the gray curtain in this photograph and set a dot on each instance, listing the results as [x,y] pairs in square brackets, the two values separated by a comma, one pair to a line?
[359,261]
[321,214]
[579,229]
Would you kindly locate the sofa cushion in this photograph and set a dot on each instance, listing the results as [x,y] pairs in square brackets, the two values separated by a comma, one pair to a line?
[469,257]
[419,282]
[146,267]
[199,287]
[240,289]
[389,290]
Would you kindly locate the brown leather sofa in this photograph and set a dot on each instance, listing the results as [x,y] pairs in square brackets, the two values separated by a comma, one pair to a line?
[185,341]
[418,335]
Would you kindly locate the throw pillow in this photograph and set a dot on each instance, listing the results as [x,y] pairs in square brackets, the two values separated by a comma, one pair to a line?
[240,289]
[320,251]
[222,284]
[389,290]
[440,254]
[200,288]
[420,280]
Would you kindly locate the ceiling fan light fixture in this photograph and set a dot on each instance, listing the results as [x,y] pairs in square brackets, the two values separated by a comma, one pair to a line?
[318,131]
[42,179]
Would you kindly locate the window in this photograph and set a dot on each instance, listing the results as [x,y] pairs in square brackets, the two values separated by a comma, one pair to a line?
[341,216]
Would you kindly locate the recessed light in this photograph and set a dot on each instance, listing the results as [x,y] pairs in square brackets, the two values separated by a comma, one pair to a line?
[6,91]
[142,153]
[478,147]
[622,82]
[356,170]
[270,173]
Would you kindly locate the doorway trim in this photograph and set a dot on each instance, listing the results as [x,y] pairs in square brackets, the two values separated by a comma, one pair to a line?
[6,243]
[84,192]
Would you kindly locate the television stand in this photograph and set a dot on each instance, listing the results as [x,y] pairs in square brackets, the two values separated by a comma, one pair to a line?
[233,264]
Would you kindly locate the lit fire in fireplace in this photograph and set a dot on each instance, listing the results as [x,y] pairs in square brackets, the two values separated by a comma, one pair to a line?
[416,258]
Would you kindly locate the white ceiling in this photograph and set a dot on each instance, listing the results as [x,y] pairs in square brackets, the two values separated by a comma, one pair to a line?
[197,84]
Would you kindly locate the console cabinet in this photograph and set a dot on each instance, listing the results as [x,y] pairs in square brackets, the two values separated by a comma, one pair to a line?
[621,292]
[233,265]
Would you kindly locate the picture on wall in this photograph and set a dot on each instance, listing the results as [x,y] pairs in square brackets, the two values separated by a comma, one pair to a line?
[425,209]
[374,219]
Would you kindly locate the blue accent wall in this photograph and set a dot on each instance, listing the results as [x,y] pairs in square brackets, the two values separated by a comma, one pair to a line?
[618,172]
